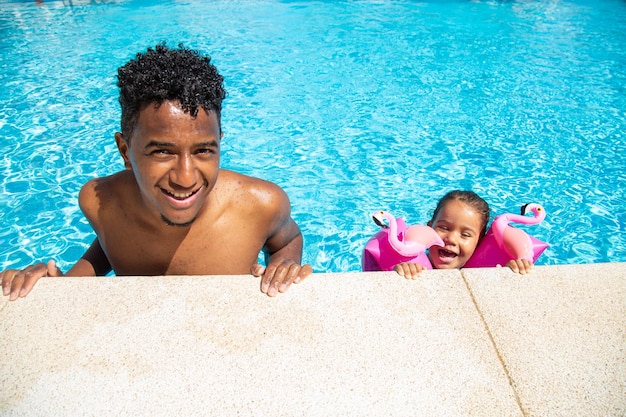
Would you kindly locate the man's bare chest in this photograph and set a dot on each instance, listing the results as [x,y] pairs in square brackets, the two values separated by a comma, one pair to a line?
[144,253]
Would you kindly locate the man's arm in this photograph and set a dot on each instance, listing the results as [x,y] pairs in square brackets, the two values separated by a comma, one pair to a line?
[94,262]
[283,247]
[283,266]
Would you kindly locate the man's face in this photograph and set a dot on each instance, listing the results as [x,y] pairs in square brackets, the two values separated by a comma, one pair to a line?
[175,159]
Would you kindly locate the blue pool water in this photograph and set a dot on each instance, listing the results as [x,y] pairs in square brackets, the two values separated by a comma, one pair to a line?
[350,106]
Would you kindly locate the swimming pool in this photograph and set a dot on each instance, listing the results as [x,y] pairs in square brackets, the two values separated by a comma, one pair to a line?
[350,106]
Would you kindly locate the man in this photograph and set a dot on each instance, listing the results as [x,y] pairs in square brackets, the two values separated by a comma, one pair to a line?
[173,211]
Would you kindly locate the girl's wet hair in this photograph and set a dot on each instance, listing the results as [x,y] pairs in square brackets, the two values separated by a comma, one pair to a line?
[471,199]
[166,74]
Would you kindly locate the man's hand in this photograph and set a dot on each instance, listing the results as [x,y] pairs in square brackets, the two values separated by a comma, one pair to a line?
[18,283]
[279,275]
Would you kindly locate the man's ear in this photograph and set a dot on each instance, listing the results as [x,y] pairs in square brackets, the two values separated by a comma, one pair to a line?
[429,224]
[122,146]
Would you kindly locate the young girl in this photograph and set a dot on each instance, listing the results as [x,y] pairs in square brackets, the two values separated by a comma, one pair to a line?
[460,219]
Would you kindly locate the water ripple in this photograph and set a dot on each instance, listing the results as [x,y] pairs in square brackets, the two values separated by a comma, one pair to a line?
[350,106]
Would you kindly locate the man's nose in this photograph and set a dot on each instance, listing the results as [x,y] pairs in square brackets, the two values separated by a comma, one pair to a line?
[184,173]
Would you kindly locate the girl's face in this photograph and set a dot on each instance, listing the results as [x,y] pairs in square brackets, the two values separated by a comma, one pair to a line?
[459,226]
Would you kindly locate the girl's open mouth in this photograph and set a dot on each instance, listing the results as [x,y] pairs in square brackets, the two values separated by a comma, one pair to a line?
[446,254]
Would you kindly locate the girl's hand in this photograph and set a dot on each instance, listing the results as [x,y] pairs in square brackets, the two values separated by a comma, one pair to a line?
[408,270]
[520,266]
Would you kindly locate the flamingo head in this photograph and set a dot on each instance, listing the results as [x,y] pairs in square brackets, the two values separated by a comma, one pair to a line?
[537,210]
[379,218]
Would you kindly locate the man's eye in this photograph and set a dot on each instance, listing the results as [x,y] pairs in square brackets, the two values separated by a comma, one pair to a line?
[205,152]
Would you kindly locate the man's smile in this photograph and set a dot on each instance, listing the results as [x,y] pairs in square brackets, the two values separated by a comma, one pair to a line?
[182,200]
[180,196]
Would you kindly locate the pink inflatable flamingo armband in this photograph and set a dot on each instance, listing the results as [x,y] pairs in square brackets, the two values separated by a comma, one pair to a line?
[504,242]
[397,243]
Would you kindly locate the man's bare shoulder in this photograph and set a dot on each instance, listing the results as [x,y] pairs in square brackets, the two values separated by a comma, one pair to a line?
[241,185]
[258,201]
[109,188]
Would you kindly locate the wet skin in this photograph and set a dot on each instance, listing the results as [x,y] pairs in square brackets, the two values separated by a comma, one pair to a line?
[173,211]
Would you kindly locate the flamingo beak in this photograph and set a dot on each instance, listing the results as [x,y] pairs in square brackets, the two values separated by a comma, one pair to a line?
[523,211]
[379,223]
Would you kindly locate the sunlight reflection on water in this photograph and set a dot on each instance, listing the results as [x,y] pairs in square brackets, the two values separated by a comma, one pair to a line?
[351,107]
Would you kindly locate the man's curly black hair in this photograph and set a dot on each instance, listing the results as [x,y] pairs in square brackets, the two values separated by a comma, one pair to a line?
[164,73]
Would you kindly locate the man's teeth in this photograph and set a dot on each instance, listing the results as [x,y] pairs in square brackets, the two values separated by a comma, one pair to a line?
[180,196]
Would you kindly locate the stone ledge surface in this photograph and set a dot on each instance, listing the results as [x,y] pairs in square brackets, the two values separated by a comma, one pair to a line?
[476,342]
[561,333]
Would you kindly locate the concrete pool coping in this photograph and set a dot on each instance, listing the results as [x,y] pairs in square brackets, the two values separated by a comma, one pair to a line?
[480,342]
